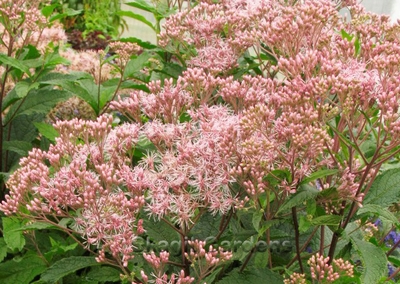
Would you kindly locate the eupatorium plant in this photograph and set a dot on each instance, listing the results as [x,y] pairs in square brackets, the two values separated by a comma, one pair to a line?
[276,131]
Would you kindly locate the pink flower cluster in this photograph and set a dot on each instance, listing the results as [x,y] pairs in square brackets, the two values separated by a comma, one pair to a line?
[158,264]
[82,176]
[321,270]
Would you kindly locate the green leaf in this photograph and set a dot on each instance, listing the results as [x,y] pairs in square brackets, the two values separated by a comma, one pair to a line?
[207,226]
[20,147]
[373,260]
[21,271]
[251,276]
[12,234]
[37,226]
[138,17]
[327,220]
[161,233]
[257,216]
[48,10]
[136,64]
[261,259]
[142,5]
[385,190]
[104,274]
[172,70]
[20,91]
[379,211]
[211,278]
[71,12]
[106,94]
[37,101]
[304,193]
[67,266]
[319,174]
[345,35]
[14,63]
[47,130]
[3,249]
[357,46]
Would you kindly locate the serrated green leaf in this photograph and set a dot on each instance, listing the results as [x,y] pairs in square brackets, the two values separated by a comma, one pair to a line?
[327,220]
[136,64]
[251,276]
[66,266]
[37,226]
[14,63]
[373,260]
[172,70]
[261,259]
[3,249]
[47,130]
[104,274]
[160,231]
[211,278]
[23,87]
[37,102]
[304,193]
[12,234]
[385,190]
[257,216]
[106,94]
[20,147]
[318,174]
[21,271]
[379,211]
[207,226]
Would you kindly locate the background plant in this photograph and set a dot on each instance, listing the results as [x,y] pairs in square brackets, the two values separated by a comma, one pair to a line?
[254,136]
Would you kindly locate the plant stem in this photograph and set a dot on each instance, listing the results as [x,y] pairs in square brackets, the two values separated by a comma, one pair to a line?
[297,238]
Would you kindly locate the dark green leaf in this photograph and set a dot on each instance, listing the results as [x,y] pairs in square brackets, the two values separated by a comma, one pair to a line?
[14,63]
[257,216]
[104,274]
[207,226]
[304,193]
[66,266]
[385,190]
[251,276]
[171,69]
[12,234]
[160,232]
[318,174]
[37,101]
[379,211]
[20,147]
[37,226]
[136,64]
[47,130]
[3,249]
[20,91]
[21,271]
[327,220]
[261,259]
[373,260]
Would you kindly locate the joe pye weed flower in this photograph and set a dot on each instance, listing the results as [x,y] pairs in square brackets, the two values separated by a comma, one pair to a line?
[274,116]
